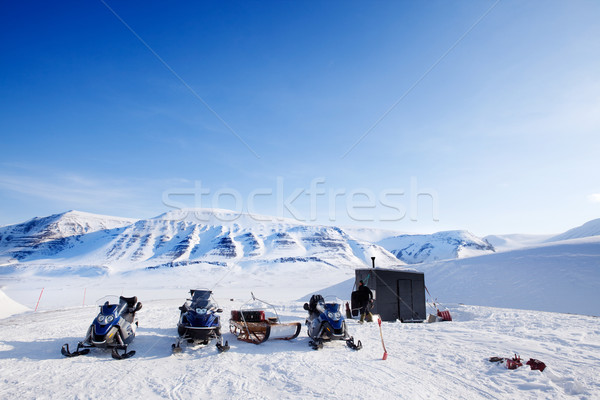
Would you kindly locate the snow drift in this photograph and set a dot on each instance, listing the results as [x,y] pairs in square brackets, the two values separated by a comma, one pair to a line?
[561,277]
[9,307]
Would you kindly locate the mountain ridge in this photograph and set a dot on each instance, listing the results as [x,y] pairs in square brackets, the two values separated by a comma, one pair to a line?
[222,237]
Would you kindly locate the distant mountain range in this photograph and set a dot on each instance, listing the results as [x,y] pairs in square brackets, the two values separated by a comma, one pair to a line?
[222,237]
[219,237]
[180,238]
[590,228]
[517,241]
[416,249]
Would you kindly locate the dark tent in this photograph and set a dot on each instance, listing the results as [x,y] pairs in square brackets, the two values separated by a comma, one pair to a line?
[399,293]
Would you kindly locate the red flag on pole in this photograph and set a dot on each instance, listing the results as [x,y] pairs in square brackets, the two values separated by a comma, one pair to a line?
[383,344]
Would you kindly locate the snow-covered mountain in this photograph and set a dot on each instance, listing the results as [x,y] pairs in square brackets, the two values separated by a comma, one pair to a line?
[515,241]
[53,232]
[415,249]
[590,228]
[180,238]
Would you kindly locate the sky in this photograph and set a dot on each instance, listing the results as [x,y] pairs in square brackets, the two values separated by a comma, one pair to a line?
[412,116]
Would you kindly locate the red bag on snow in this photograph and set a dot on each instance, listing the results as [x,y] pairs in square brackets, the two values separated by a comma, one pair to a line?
[514,363]
[445,315]
[536,364]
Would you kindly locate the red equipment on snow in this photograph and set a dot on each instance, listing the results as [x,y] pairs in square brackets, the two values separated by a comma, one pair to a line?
[514,363]
[444,315]
[536,364]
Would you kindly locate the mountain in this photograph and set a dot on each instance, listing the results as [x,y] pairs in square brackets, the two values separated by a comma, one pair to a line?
[53,233]
[590,228]
[182,237]
[415,249]
[515,241]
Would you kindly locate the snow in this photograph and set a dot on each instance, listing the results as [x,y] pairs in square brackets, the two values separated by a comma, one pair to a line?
[440,360]
[9,307]
[284,265]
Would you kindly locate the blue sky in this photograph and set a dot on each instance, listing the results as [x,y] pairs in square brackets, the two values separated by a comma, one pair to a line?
[502,134]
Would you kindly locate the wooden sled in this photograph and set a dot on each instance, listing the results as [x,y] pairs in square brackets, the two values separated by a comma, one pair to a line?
[253,326]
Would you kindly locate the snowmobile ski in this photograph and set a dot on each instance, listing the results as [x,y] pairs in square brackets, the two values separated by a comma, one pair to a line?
[115,354]
[222,347]
[176,348]
[316,344]
[354,346]
[79,352]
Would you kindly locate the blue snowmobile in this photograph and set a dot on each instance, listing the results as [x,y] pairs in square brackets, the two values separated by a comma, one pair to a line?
[114,327]
[325,322]
[199,322]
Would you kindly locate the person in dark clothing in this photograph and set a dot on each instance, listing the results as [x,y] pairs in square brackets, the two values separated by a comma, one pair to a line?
[365,298]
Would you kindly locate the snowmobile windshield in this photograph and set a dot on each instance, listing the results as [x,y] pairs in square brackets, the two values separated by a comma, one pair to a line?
[203,300]
[109,304]
[333,300]
[332,307]
[112,299]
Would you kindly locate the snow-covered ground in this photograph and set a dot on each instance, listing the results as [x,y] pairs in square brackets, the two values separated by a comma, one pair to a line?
[440,360]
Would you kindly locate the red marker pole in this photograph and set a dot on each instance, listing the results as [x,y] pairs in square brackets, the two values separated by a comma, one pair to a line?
[38,302]
[381,334]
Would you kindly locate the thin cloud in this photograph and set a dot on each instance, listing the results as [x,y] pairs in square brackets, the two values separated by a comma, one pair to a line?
[67,189]
[594,198]
[62,190]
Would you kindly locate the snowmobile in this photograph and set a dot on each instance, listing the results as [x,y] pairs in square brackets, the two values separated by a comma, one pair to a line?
[253,323]
[325,322]
[114,328]
[199,322]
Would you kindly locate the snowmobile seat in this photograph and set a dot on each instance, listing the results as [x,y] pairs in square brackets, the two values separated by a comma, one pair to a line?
[355,300]
[131,301]
[314,300]
[133,305]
